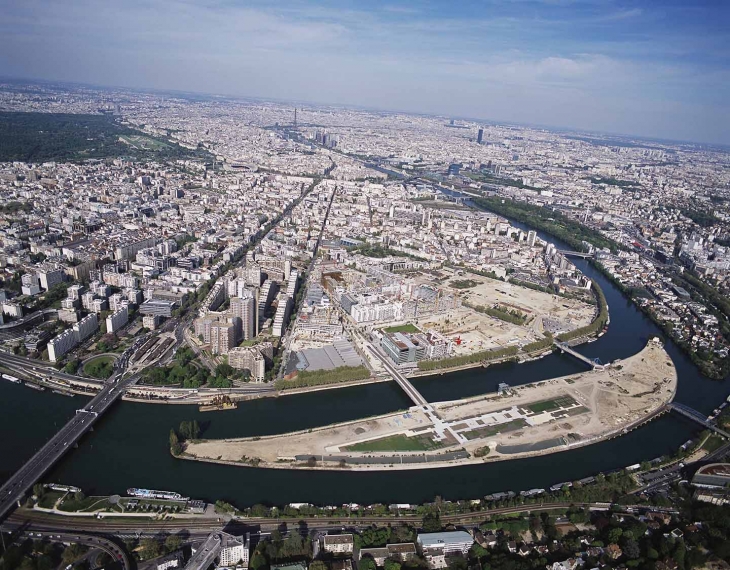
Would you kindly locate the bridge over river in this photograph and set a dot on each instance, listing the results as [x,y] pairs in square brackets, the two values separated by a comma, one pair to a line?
[18,485]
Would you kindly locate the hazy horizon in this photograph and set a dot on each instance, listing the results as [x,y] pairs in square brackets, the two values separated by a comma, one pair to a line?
[644,69]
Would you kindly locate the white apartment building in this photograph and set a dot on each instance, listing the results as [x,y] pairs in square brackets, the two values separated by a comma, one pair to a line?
[117,320]
[61,344]
[86,327]
[248,358]
[283,311]
[234,550]
[222,337]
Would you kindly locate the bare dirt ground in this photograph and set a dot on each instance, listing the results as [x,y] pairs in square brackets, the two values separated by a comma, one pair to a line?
[572,410]
[479,331]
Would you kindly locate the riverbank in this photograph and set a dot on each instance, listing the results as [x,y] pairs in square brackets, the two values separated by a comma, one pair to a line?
[533,419]
[534,216]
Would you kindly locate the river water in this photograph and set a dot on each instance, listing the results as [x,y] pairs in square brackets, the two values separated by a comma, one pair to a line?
[129,446]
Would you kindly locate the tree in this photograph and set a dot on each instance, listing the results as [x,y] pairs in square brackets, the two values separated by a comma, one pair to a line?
[391,565]
[615,534]
[39,490]
[259,510]
[150,548]
[631,549]
[175,446]
[224,370]
[72,553]
[318,565]
[367,563]
[172,543]
[432,522]
[258,561]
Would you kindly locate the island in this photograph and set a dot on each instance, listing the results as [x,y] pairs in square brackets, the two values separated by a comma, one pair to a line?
[534,419]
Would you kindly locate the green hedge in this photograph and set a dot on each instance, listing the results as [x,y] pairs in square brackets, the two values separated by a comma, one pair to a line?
[321,377]
[509,316]
[539,344]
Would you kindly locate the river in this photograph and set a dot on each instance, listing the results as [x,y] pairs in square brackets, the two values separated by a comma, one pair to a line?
[129,446]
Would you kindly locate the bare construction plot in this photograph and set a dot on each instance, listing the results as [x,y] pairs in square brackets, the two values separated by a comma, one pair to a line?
[540,418]
[479,331]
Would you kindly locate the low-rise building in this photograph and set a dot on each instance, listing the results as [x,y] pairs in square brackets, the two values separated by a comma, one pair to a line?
[338,543]
[434,543]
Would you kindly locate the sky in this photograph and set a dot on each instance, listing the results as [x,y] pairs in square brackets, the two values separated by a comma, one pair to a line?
[649,68]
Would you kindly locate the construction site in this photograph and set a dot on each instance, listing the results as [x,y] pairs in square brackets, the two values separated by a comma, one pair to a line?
[533,419]
[520,315]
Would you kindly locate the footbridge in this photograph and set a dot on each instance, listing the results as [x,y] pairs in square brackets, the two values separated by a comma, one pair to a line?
[402,381]
[17,486]
[595,363]
[696,416]
[582,254]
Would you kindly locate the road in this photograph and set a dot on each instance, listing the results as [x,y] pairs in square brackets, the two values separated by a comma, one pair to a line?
[42,369]
[117,553]
[293,326]
[15,488]
[201,527]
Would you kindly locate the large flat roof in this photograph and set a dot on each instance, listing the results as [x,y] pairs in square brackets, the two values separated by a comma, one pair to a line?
[439,538]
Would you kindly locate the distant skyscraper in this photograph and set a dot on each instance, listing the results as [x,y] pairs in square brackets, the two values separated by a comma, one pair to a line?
[480,135]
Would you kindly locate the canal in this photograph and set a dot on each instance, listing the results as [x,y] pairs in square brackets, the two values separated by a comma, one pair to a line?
[129,446]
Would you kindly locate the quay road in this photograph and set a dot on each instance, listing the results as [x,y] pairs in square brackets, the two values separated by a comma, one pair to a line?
[117,553]
[18,485]
[42,368]
[194,395]
[45,522]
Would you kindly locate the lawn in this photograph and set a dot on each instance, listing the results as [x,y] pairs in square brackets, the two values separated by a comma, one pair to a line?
[713,443]
[72,505]
[49,498]
[397,442]
[550,405]
[407,328]
[101,367]
[487,431]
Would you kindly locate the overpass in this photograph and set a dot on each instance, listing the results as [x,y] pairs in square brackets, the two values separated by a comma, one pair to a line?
[696,416]
[595,364]
[16,487]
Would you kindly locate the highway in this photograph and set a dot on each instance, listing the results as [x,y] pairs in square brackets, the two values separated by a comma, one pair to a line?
[92,541]
[42,368]
[15,488]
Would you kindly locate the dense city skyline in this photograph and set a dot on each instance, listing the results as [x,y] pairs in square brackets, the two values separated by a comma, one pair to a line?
[641,68]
